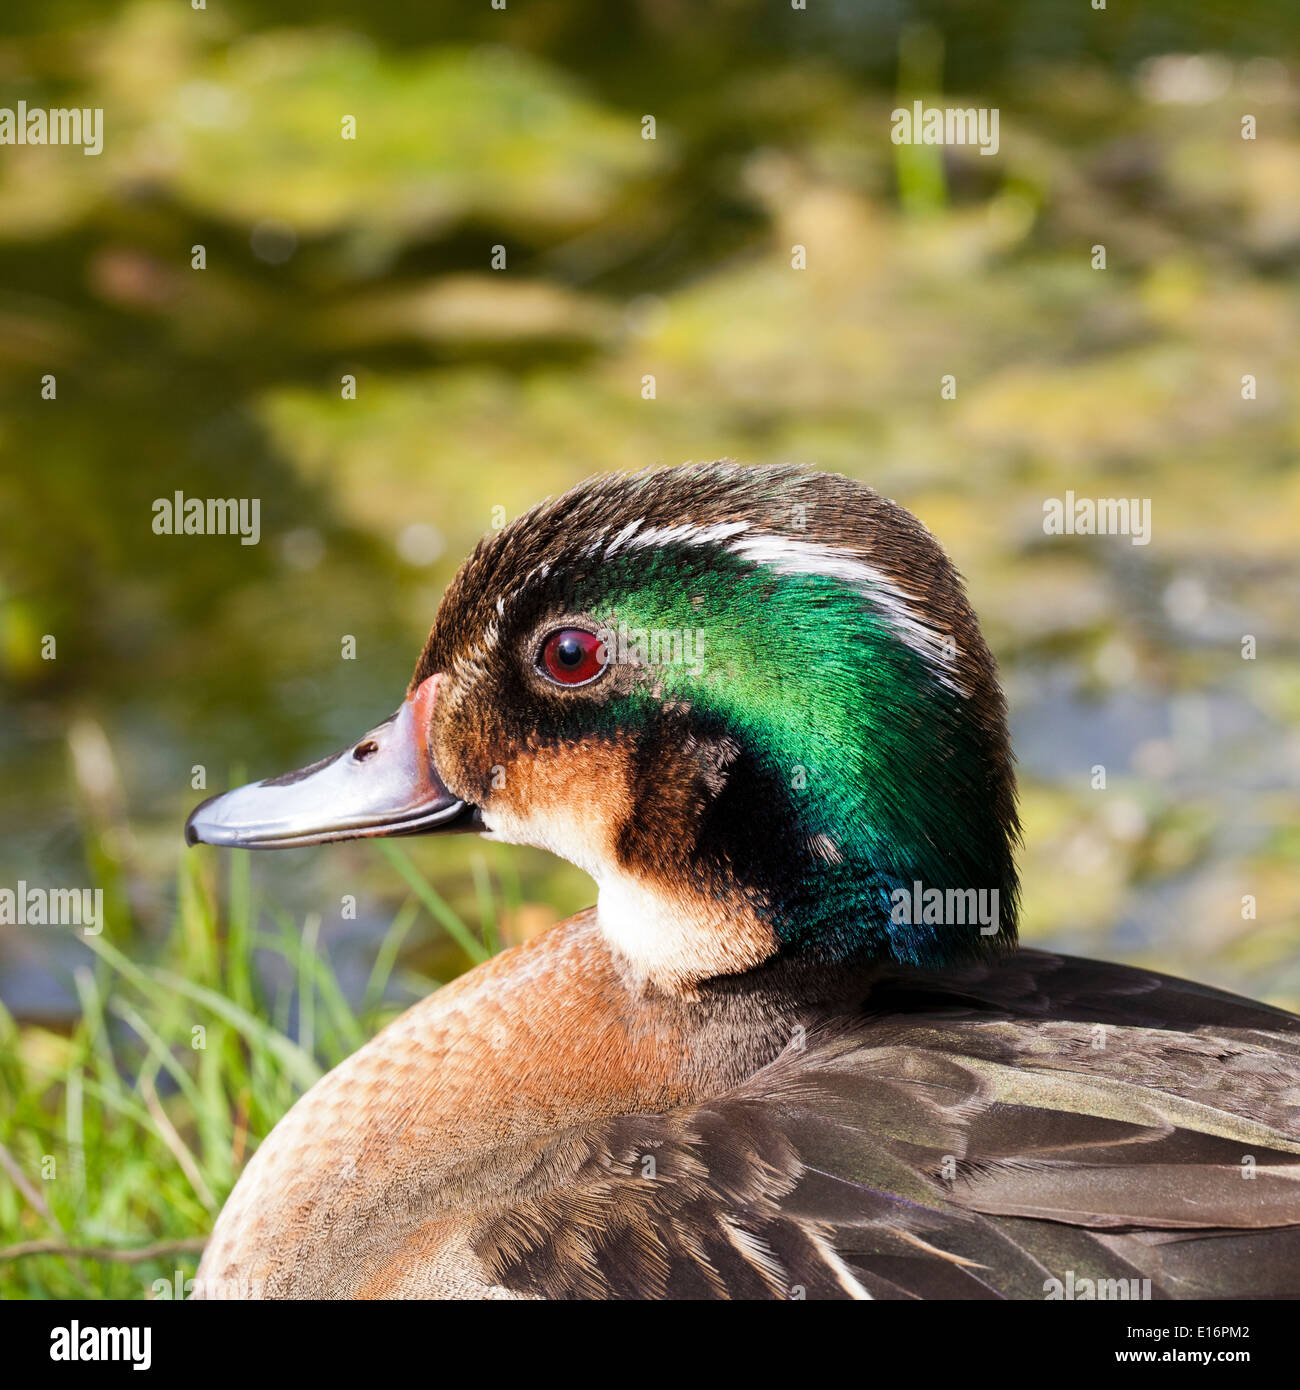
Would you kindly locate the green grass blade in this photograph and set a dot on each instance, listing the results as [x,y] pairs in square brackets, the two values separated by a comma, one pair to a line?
[437,906]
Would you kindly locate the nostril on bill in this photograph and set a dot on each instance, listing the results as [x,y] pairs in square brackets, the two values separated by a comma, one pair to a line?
[364,750]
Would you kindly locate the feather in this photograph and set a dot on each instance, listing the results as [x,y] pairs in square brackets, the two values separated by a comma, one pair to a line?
[961,1147]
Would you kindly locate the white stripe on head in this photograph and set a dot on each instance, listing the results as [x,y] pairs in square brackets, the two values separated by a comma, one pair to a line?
[895,605]
[688,533]
[627,531]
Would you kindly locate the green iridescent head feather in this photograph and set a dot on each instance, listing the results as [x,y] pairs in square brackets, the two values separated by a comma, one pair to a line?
[816,659]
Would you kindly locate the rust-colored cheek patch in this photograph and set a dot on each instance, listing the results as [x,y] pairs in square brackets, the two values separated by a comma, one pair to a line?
[573,799]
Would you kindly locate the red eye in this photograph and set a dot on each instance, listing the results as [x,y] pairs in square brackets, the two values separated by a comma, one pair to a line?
[572,656]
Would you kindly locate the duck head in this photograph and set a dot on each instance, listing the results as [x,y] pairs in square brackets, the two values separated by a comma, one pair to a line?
[752,703]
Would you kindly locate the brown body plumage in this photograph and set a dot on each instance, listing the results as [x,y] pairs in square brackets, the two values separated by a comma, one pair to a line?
[542,1127]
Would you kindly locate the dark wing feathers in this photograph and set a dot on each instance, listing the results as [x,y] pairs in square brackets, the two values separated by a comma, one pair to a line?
[971,1139]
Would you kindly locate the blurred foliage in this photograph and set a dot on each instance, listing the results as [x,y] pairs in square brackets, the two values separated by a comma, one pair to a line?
[139,1120]
[480,389]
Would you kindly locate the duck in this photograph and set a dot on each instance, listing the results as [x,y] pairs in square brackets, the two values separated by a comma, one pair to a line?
[793,1051]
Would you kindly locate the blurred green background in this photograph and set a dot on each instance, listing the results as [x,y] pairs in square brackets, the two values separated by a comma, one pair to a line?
[478,391]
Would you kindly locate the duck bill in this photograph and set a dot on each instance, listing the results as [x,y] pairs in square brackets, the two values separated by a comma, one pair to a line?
[385,784]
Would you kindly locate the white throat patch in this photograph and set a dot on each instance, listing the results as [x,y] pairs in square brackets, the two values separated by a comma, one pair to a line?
[676,943]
